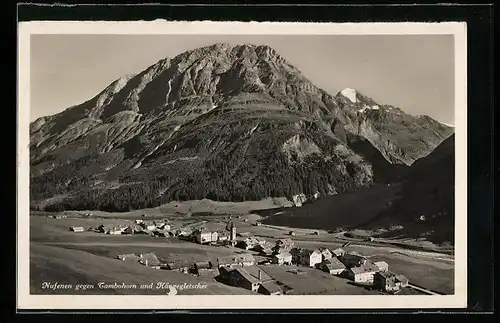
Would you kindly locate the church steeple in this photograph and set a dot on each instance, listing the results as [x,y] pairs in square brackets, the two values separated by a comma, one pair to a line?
[233,231]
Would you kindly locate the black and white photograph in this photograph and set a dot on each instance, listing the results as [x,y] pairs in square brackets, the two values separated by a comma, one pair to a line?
[270,162]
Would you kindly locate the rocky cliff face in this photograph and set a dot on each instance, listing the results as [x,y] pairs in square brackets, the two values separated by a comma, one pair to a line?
[223,122]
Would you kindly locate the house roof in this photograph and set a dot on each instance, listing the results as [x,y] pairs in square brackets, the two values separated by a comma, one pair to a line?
[349,256]
[282,255]
[176,264]
[339,251]
[237,258]
[402,278]
[304,252]
[271,286]
[386,274]
[367,267]
[334,263]
[223,233]
[381,264]
[251,273]
[151,258]
[129,256]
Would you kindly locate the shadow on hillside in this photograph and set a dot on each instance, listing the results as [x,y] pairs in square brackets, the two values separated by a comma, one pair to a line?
[343,210]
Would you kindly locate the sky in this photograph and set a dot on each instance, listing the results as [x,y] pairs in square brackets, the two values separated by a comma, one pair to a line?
[412,72]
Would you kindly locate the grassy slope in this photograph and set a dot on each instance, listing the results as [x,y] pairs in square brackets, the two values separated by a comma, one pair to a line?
[54,264]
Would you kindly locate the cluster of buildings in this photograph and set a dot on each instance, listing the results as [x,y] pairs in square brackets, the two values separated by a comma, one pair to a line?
[205,235]
[153,261]
[241,269]
[159,228]
[338,262]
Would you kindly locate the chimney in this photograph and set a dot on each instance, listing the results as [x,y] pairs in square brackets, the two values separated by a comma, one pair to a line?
[146,262]
[260,274]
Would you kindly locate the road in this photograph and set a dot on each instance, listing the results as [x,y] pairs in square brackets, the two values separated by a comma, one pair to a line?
[423,290]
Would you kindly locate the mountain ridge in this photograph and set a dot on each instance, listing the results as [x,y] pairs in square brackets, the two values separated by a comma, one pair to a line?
[215,105]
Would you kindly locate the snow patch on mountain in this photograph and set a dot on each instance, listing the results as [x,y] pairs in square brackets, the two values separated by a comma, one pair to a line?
[350,94]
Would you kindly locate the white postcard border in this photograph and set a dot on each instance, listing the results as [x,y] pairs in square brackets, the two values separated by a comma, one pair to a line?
[90,302]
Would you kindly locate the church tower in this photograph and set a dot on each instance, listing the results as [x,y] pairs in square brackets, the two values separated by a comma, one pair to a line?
[233,231]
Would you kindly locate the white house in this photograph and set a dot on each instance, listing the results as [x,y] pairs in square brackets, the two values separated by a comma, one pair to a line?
[332,266]
[363,274]
[382,265]
[306,257]
[282,259]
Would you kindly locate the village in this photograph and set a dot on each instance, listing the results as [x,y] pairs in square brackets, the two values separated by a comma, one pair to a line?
[246,267]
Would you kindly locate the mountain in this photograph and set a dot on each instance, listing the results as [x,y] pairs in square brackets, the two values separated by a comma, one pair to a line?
[426,206]
[223,122]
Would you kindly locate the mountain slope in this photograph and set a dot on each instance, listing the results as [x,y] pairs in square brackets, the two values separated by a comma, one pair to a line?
[223,122]
[426,205]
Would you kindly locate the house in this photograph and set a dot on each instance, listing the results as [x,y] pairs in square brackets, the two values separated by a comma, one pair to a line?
[363,274]
[115,231]
[128,230]
[306,257]
[103,228]
[382,265]
[129,257]
[266,245]
[180,265]
[250,277]
[282,259]
[165,227]
[252,243]
[270,288]
[200,267]
[245,259]
[76,229]
[325,254]
[162,225]
[181,232]
[339,252]
[332,266]
[283,245]
[247,244]
[140,230]
[265,250]
[150,226]
[149,259]
[292,233]
[161,233]
[203,236]
[402,280]
[352,260]
[138,221]
[223,236]
[389,282]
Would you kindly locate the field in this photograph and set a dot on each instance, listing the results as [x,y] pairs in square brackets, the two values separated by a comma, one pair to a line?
[58,255]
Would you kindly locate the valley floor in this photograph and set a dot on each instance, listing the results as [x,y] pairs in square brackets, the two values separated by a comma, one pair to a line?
[58,255]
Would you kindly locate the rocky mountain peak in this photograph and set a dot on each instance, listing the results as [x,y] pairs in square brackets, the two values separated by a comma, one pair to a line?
[243,111]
